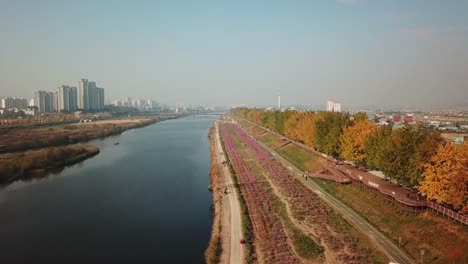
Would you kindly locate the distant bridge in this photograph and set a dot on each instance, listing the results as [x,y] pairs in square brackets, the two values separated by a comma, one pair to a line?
[211,113]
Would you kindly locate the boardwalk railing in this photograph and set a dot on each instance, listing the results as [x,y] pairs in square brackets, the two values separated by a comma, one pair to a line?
[458,217]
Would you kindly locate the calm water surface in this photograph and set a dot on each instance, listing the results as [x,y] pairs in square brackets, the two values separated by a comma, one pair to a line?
[145,200]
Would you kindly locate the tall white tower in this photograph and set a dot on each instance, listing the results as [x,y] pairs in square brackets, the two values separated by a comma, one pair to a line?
[279,102]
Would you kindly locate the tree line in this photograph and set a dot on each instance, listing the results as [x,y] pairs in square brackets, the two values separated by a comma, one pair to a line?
[413,156]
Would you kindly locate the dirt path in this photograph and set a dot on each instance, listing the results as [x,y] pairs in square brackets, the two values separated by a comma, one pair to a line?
[231,214]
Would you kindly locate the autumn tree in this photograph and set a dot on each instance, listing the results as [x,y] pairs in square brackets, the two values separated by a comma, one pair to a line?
[240,112]
[300,126]
[268,120]
[374,146]
[328,129]
[360,116]
[280,119]
[254,115]
[397,154]
[426,145]
[445,177]
[291,126]
[353,138]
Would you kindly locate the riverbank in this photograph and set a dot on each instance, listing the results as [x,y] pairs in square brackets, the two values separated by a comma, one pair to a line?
[215,247]
[23,139]
[38,163]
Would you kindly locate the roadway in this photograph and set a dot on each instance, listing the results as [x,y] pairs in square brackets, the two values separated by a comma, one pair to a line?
[395,253]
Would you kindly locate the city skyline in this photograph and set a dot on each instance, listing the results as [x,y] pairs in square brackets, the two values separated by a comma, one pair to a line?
[86,97]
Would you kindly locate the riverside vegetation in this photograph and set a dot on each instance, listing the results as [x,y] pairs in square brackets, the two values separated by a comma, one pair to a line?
[411,156]
[443,240]
[214,250]
[37,163]
[20,139]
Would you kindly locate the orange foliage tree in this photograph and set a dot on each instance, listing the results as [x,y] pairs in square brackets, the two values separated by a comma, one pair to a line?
[353,138]
[445,178]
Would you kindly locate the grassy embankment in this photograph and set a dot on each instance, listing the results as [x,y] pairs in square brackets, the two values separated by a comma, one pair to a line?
[443,240]
[214,250]
[37,163]
[247,229]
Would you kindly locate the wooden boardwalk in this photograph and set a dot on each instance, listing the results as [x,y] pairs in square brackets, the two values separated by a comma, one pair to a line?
[333,175]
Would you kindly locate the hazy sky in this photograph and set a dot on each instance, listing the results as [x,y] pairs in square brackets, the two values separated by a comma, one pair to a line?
[375,52]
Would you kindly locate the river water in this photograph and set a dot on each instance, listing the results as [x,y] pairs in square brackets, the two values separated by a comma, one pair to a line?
[145,200]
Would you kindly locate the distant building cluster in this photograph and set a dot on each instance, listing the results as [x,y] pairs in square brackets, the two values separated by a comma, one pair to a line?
[14,103]
[87,97]
[333,106]
[395,119]
[141,104]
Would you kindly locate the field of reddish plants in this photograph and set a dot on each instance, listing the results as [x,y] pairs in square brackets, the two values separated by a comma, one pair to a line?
[306,207]
[270,237]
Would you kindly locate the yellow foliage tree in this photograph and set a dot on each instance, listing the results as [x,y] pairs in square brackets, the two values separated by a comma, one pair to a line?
[306,127]
[300,126]
[353,138]
[445,178]
[290,127]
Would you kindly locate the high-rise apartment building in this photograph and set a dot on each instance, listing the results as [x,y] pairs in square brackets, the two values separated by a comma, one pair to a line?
[67,99]
[13,102]
[333,106]
[100,99]
[55,102]
[83,99]
[44,101]
[90,97]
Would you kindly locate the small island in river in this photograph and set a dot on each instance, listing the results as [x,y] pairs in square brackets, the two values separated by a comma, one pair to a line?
[38,163]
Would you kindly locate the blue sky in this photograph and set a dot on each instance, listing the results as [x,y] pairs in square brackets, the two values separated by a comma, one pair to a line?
[383,53]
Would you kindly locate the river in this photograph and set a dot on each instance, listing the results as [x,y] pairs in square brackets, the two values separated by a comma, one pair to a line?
[145,200]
